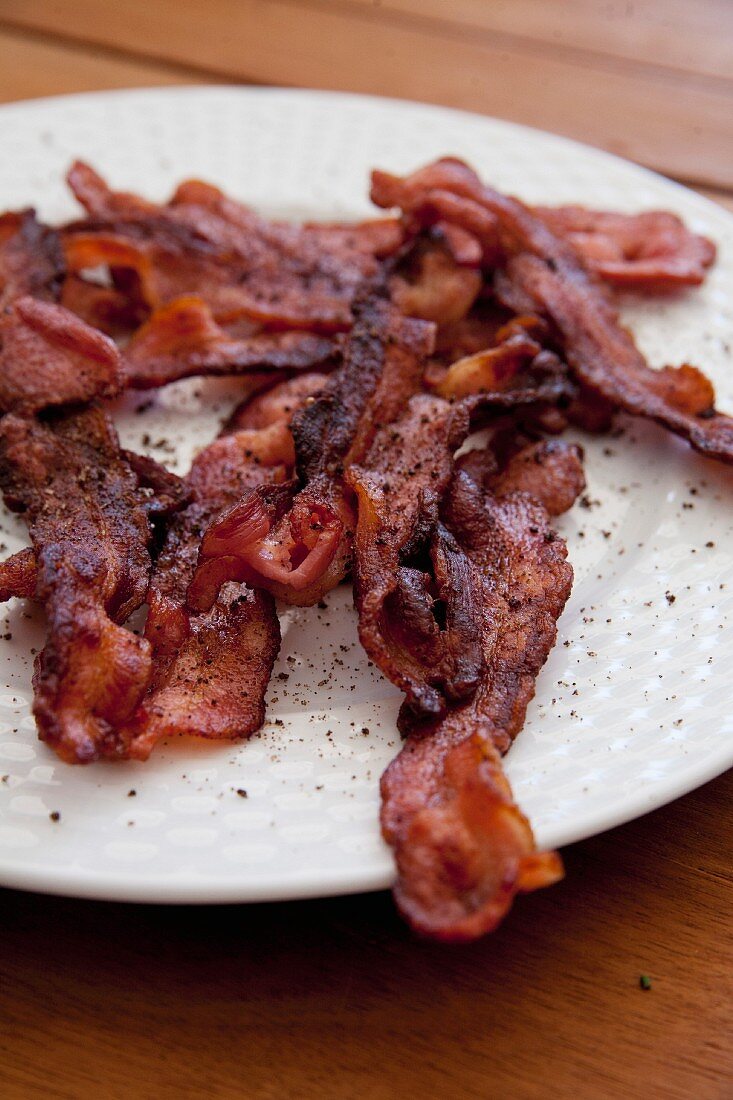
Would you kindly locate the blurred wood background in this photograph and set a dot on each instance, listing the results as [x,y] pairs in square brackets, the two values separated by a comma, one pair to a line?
[334,999]
[651,80]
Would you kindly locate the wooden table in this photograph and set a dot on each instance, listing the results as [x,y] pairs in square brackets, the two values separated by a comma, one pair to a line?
[334,998]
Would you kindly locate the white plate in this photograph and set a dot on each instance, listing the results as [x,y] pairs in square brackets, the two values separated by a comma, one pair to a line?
[634,705]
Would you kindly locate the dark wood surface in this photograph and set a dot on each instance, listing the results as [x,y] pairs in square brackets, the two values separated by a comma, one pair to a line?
[334,998]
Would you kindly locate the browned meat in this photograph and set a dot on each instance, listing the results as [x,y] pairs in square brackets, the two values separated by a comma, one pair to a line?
[462,846]
[90,536]
[19,575]
[546,271]
[279,403]
[211,669]
[242,266]
[31,258]
[48,357]
[414,588]
[182,339]
[106,308]
[653,251]
[297,543]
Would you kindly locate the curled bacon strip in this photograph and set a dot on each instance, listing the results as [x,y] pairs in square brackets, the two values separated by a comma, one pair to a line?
[298,546]
[90,536]
[50,357]
[211,669]
[463,848]
[31,258]
[547,272]
[182,339]
[653,251]
[433,285]
[106,308]
[276,404]
[242,266]
[414,588]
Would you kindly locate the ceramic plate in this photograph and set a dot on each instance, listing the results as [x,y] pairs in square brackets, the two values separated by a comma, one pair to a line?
[634,705]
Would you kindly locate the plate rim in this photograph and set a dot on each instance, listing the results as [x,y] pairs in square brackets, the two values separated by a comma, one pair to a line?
[121,885]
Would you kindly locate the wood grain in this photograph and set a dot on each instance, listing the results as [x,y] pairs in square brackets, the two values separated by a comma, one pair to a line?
[673,34]
[31,67]
[335,999]
[668,120]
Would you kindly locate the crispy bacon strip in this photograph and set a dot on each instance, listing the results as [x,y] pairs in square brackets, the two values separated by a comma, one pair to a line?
[211,669]
[548,272]
[90,536]
[414,588]
[48,357]
[31,258]
[163,494]
[462,846]
[182,340]
[297,544]
[242,266]
[653,251]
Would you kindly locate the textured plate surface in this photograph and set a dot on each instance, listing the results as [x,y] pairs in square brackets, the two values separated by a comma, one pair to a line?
[634,705]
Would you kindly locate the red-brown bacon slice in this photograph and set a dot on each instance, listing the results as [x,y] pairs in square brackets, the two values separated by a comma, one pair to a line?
[276,404]
[653,251]
[241,265]
[163,494]
[547,271]
[48,357]
[31,258]
[463,848]
[211,669]
[297,543]
[414,588]
[90,535]
[19,575]
[182,340]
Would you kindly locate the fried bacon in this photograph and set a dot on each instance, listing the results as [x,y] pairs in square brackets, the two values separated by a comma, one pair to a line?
[653,251]
[182,339]
[19,576]
[547,271]
[414,588]
[276,404]
[206,244]
[50,357]
[211,669]
[549,470]
[605,359]
[462,846]
[433,285]
[90,534]
[31,258]
[106,308]
[493,368]
[469,310]
[297,543]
